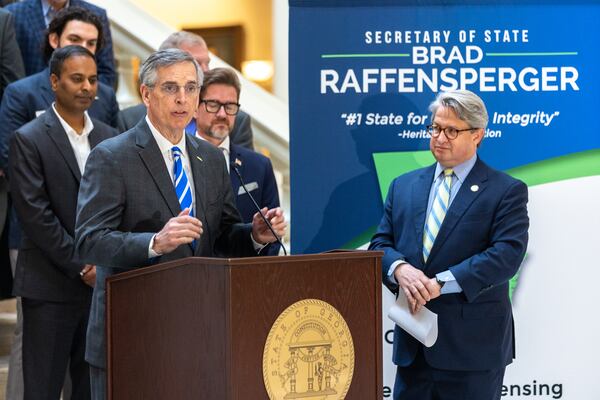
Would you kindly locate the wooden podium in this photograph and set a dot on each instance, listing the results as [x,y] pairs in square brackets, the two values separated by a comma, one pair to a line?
[196,328]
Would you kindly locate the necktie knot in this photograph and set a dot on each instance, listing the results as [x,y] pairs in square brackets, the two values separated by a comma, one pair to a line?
[176,152]
[448,172]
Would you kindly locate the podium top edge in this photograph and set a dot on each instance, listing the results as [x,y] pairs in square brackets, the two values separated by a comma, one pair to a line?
[235,262]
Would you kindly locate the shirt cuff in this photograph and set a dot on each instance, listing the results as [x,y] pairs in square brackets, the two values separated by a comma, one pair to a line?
[257,246]
[450,283]
[393,268]
[151,252]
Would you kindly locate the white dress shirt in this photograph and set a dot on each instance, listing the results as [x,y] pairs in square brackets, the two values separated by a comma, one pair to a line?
[80,142]
[224,146]
[166,147]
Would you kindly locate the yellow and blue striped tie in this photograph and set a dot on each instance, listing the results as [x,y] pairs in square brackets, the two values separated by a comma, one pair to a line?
[437,213]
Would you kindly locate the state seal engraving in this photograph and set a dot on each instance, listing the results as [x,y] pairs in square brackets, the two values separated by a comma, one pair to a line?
[309,353]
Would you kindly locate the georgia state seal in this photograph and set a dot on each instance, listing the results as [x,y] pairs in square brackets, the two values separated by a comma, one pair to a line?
[309,353]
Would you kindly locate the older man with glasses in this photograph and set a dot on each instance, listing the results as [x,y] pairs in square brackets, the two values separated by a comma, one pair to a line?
[155,194]
[453,235]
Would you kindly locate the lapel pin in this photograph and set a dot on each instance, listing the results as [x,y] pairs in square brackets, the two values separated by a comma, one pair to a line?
[237,162]
[198,157]
[474,188]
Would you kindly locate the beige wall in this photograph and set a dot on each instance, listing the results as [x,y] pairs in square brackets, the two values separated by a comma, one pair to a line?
[253,15]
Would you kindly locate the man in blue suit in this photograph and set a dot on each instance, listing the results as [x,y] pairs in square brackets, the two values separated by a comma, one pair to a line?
[215,119]
[453,234]
[32,17]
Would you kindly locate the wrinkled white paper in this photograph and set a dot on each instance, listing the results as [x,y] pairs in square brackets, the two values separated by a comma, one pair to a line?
[422,325]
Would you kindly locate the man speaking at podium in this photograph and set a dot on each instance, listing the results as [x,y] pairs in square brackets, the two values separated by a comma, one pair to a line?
[453,235]
[155,194]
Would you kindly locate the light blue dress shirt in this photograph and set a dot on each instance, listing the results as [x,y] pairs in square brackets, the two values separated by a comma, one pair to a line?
[48,12]
[460,173]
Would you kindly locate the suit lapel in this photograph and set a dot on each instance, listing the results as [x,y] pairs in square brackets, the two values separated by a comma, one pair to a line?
[420,197]
[95,138]
[464,198]
[60,139]
[155,163]
[45,90]
[235,180]
[199,176]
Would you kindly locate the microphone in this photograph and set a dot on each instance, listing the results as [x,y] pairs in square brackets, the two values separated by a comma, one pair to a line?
[234,165]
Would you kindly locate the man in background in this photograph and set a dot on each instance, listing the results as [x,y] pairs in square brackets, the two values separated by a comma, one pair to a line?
[29,97]
[453,235]
[11,69]
[48,157]
[196,46]
[215,119]
[33,17]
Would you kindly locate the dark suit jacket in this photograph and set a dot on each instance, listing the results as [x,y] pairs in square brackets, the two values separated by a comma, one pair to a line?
[26,98]
[31,27]
[11,63]
[257,172]
[11,69]
[241,133]
[44,186]
[482,241]
[127,195]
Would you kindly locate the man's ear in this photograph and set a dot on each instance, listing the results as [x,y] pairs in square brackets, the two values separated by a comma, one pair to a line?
[145,93]
[53,40]
[478,136]
[53,82]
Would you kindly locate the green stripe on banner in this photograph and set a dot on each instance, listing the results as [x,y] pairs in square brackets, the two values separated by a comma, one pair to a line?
[577,165]
[361,239]
[391,165]
[365,55]
[536,54]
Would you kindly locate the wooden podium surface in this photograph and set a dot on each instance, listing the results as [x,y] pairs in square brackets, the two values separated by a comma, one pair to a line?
[196,328]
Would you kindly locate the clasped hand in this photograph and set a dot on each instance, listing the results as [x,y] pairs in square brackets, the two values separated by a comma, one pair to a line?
[418,288]
[261,232]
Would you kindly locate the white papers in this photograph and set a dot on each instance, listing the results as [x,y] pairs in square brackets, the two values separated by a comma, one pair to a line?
[422,325]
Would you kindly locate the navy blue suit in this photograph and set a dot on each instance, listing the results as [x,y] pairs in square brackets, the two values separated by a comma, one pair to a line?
[257,172]
[30,28]
[482,241]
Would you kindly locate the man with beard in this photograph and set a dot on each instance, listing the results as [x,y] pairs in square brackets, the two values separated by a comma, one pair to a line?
[215,119]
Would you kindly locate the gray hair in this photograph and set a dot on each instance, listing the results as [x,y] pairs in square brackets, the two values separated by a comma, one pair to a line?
[176,39]
[466,105]
[166,58]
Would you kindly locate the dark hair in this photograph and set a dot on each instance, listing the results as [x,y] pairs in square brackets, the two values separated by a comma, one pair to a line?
[224,76]
[66,15]
[61,55]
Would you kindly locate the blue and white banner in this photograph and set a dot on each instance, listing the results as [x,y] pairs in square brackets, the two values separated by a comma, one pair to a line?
[362,74]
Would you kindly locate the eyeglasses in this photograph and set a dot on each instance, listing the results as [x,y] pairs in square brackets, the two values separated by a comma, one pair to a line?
[172,89]
[213,107]
[451,133]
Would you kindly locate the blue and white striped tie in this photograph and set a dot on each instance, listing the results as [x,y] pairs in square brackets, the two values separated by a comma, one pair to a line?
[181,182]
[438,213]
